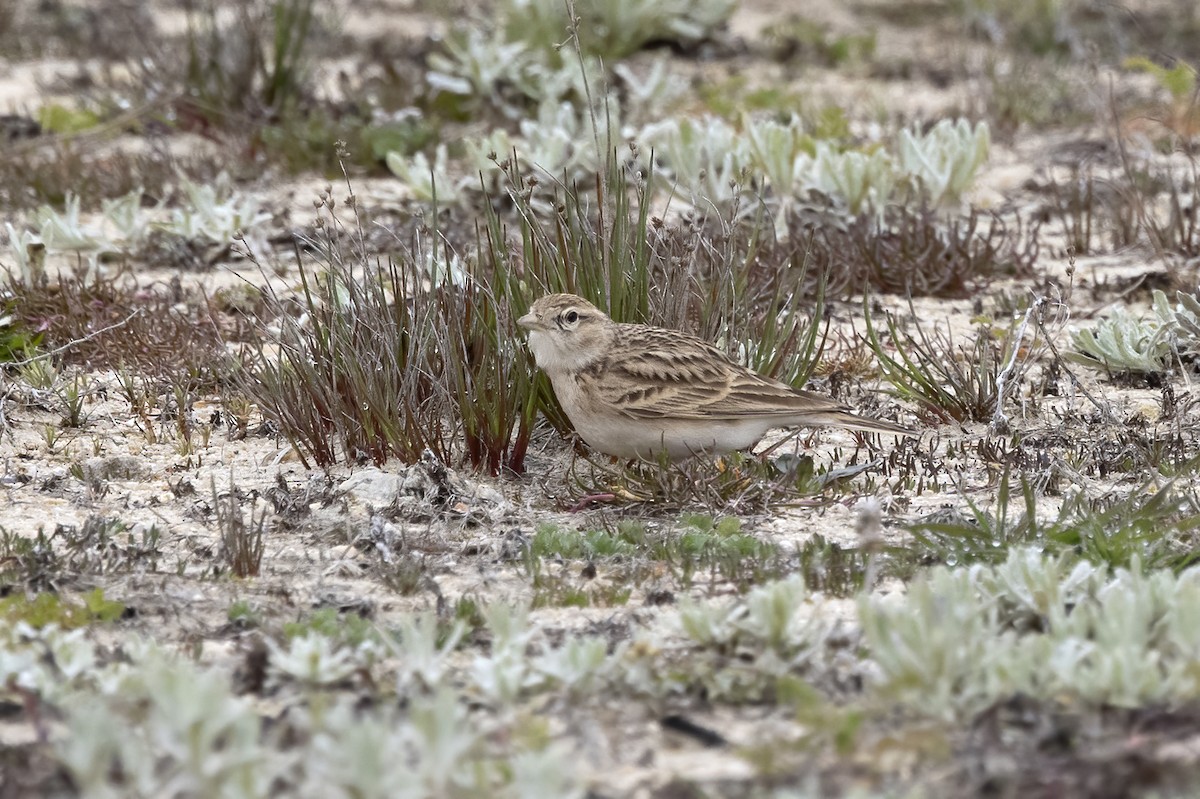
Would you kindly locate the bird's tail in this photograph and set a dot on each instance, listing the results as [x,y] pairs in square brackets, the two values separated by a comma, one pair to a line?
[850,421]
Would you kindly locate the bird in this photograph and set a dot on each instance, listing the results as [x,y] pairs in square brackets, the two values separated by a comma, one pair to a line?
[637,391]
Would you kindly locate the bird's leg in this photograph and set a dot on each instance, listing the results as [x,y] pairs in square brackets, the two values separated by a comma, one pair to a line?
[590,499]
[789,437]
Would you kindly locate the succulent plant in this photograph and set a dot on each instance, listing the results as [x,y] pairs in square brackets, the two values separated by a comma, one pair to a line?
[1124,343]
[945,160]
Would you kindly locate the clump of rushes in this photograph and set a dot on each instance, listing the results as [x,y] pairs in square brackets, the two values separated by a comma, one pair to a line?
[359,374]
[423,353]
[242,544]
[1091,211]
[949,382]
[488,378]
[915,250]
[269,76]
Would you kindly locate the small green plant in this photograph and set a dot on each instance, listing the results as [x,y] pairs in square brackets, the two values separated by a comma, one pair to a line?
[550,541]
[41,610]
[468,612]
[18,344]
[405,574]
[349,629]
[556,591]
[244,615]
[1035,624]
[836,570]
[1154,524]
[51,436]
[73,396]
[1180,83]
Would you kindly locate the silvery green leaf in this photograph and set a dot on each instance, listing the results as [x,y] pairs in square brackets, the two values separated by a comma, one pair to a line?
[125,214]
[427,180]
[946,159]
[774,150]
[66,231]
[863,181]
[1124,343]
[21,244]
[313,658]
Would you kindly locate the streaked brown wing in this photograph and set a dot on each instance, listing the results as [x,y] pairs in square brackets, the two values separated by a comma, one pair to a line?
[654,373]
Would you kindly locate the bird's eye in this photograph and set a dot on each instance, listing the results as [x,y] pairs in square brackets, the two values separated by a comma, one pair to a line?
[571,316]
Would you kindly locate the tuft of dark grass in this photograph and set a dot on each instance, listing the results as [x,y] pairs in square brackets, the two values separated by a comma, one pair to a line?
[736,483]
[44,171]
[358,376]
[915,251]
[832,569]
[950,382]
[1179,233]
[253,65]
[67,31]
[1094,214]
[490,378]
[242,538]
[98,321]
[800,40]
[1019,94]
[406,574]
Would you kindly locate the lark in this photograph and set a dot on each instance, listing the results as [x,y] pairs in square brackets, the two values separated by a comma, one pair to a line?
[635,391]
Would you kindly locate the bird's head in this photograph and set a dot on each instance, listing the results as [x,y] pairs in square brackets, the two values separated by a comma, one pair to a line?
[566,332]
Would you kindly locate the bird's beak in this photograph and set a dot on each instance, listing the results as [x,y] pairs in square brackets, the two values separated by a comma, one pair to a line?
[528,321]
